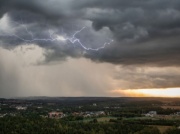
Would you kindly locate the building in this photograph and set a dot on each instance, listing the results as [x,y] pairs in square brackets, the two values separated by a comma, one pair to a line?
[100,113]
[76,114]
[151,114]
[177,113]
[56,115]
[21,108]
[94,104]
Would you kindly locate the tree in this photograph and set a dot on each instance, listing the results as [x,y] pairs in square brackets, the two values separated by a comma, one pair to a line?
[149,130]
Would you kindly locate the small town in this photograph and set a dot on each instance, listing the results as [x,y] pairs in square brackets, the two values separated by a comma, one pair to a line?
[142,111]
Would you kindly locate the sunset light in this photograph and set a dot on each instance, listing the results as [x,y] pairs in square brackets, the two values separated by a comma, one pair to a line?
[156,92]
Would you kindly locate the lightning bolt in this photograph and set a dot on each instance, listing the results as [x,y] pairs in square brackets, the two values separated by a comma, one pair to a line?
[54,37]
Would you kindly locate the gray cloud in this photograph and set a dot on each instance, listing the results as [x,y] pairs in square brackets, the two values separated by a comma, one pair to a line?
[145,32]
[136,77]
[20,77]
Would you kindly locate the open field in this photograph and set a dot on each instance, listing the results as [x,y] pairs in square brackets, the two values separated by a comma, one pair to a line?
[162,129]
[171,107]
[105,119]
[167,117]
[139,118]
[100,119]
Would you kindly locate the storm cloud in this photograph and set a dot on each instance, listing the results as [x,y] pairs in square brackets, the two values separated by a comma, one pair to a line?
[21,76]
[144,32]
[145,51]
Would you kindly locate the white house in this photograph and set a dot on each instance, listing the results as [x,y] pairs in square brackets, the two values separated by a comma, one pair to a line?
[151,114]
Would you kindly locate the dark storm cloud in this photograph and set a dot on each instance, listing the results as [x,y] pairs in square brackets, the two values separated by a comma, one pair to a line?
[162,52]
[145,32]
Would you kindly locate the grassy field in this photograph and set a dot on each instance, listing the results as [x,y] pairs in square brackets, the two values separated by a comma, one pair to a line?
[167,117]
[105,119]
[139,118]
[172,107]
[162,129]
[157,117]
[99,119]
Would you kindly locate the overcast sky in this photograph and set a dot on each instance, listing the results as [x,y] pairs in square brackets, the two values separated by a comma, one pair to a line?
[124,45]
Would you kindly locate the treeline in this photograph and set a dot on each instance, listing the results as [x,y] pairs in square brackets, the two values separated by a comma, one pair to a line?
[173,131]
[38,125]
[160,122]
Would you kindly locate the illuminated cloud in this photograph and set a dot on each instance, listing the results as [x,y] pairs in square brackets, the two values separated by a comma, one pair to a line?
[167,92]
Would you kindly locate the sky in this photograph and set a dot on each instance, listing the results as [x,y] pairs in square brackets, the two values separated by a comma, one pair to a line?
[90,48]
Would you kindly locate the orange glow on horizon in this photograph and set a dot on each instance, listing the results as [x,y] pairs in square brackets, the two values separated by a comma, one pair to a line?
[159,92]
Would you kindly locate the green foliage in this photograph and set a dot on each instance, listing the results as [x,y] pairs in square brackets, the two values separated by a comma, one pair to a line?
[149,130]
[173,131]
[38,125]
[152,122]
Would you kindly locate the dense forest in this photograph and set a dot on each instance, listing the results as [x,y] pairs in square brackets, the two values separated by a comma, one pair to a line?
[38,125]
